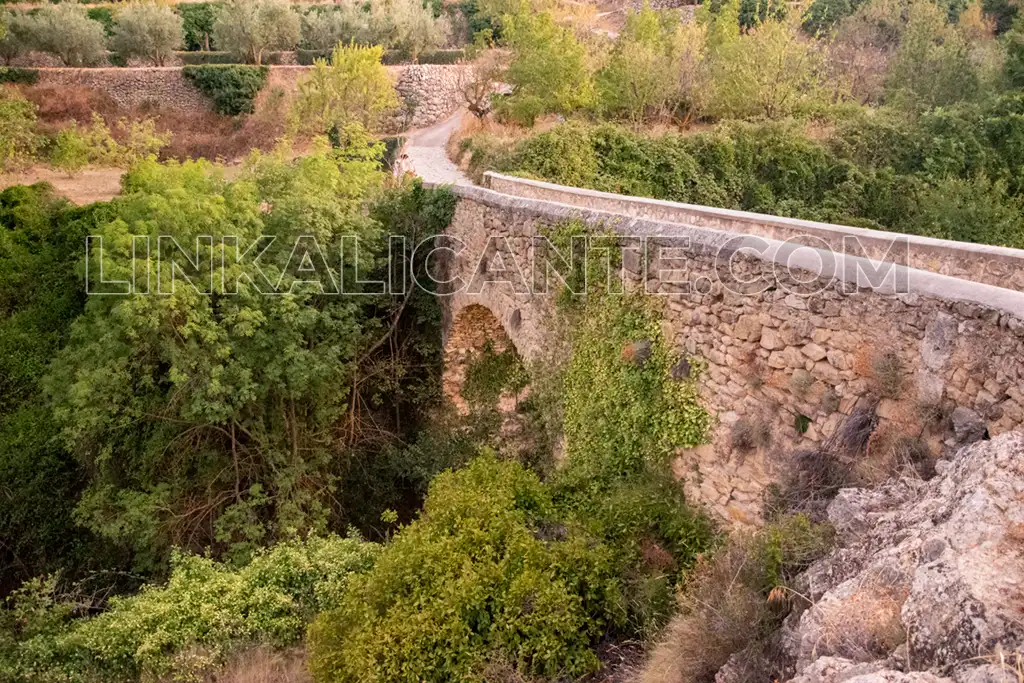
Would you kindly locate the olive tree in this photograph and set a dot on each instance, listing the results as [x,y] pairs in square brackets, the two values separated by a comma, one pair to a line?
[148,31]
[14,40]
[249,28]
[323,27]
[407,25]
[65,31]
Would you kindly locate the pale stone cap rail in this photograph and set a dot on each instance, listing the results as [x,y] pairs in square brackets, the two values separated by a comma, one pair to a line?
[908,283]
[999,266]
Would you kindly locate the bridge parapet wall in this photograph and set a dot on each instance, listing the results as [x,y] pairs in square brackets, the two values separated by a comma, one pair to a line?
[999,266]
[794,341]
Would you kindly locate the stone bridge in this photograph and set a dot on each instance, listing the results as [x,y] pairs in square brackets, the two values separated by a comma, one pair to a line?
[796,338]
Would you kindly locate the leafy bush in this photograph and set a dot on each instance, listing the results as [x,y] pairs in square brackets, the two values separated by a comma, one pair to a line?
[472,579]
[64,30]
[354,89]
[150,32]
[18,76]
[249,28]
[233,88]
[40,295]
[488,374]
[197,20]
[205,610]
[75,146]
[874,170]
[18,138]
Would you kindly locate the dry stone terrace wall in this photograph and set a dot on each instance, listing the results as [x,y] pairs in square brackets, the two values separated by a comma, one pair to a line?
[430,92]
[998,266]
[780,344]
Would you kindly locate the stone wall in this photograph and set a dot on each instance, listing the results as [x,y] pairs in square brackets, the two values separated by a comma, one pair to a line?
[432,89]
[998,266]
[791,350]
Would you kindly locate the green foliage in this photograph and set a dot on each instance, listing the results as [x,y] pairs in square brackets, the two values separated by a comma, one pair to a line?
[243,453]
[638,80]
[232,87]
[486,572]
[932,66]
[105,16]
[18,138]
[151,32]
[823,15]
[18,76]
[41,239]
[354,89]
[197,19]
[623,417]
[549,71]
[771,71]
[186,627]
[74,147]
[489,374]
[249,28]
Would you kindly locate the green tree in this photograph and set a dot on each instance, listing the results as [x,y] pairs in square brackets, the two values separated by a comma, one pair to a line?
[550,70]
[771,71]
[639,79]
[64,30]
[197,19]
[354,88]
[932,65]
[249,28]
[14,41]
[208,417]
[147,31]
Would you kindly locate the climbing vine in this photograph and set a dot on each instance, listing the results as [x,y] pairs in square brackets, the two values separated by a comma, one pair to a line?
[627,400]
[489,374]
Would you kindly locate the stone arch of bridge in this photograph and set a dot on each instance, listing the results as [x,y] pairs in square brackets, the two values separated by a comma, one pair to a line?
[471,328]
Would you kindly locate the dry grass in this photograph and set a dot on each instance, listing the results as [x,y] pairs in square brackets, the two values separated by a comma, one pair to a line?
[748,433]
[263,665]
[865,626]
[719,614]
[193,135]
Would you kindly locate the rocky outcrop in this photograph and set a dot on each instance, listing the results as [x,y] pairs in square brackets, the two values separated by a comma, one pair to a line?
[929,583]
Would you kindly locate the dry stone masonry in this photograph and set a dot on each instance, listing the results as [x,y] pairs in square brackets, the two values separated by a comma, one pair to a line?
[790,352]
[429,92]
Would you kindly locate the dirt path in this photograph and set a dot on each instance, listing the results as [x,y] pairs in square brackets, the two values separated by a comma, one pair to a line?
[425,153]
[88,186]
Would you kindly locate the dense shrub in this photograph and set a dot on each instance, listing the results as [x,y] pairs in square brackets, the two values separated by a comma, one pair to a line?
[40,296]
[151,32]
[874,171]
[204,612]
[232,88]
[486,572]
[18,138]
[18,76]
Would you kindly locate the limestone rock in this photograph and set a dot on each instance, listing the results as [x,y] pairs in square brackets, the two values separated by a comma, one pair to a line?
[936,563]
[967,426]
